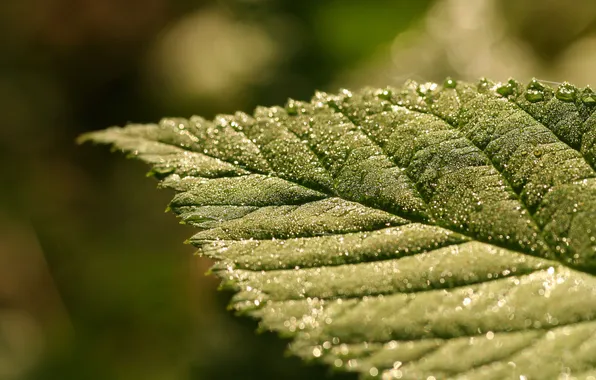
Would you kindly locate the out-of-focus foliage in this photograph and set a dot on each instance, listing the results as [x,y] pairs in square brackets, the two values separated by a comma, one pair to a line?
[94,284]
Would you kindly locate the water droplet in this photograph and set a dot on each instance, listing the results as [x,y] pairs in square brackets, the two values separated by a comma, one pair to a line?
[535,91]
[534,96]
[385,94]
[345,92]
[588,97]
[485,85]
[316,352]
[291,107]
[449,83]
[507,89]
[566,92]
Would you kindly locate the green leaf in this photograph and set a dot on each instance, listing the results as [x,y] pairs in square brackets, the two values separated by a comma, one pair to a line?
[424,232]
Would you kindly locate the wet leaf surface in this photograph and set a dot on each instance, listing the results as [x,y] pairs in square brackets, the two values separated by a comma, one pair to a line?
[423,232]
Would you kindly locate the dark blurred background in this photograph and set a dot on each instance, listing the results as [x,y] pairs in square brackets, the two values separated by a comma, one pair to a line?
[95,282]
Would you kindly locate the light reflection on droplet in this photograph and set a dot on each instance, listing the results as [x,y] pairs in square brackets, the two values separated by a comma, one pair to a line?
[316,352]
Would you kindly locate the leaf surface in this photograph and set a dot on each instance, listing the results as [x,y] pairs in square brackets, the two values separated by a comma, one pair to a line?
[423,232]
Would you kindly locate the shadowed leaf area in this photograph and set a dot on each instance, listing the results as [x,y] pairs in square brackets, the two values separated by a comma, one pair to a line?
[429,231]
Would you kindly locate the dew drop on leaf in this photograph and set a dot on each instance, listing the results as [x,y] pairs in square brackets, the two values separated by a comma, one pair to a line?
[566,92]
[449,83]
[535,91]
[588,97]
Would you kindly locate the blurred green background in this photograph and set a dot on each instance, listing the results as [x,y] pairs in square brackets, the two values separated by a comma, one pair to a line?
[94,280]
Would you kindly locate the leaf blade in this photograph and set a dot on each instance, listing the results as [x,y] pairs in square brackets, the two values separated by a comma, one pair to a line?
[402,233]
